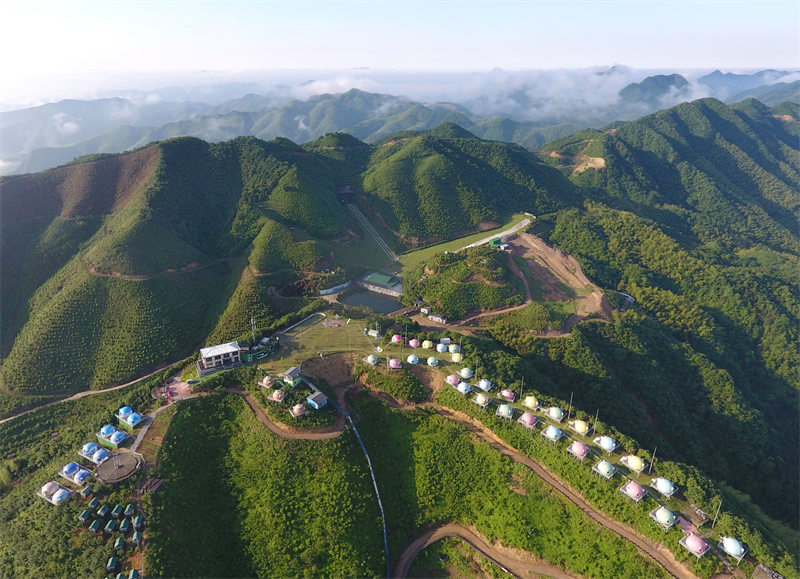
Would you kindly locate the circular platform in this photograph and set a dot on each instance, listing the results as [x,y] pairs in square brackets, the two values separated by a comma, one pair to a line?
[118,467]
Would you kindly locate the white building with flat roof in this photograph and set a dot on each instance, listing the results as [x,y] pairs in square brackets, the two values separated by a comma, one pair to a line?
[219,356]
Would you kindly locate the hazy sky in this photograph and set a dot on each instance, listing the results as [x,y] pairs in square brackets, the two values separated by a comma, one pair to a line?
[45,41]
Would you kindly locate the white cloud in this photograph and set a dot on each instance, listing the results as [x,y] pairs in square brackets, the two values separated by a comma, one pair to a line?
[63,125]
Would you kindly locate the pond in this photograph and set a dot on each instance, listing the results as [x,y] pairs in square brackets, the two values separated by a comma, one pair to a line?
[379,303]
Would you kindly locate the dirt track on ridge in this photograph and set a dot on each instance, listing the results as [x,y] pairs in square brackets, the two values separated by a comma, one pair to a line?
[516,561]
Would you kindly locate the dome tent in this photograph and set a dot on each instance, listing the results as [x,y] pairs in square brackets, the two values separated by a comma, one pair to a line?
[466,373]
[427,344]
[433,361]
[453,380]
[733,547]
[606,469]
[665,516]
[394,364]
[125,411]
[90,448]
[397,338]
[134,418]
[100,455]
[634,490]
[441,348]
[633,462]
[70,469]
[107,430]
[49,488]
[580,426]
[117,437]
[528,419]
[412,359]
[372,359]
[454,348]
[456,358]
[531,402]
[464,388]
[485,385]
[553,432]
[60,496]
[696,545]
[665,486]
[556,413]
[578,449]
[414,343]
[606,443]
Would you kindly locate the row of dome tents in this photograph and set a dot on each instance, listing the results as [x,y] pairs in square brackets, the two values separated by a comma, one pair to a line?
[91,451]
[631,489]
[128,417]
[444,346]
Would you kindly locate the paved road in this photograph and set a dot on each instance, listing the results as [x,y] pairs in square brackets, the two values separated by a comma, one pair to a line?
[521,225]
[511,565]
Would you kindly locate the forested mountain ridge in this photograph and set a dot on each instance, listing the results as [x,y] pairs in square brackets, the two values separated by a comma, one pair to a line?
[694,212]
[116,264]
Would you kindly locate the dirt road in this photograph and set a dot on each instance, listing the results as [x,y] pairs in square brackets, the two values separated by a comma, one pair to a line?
[85,393]
[659,554]
[339,371]
[286,431]
[516,562]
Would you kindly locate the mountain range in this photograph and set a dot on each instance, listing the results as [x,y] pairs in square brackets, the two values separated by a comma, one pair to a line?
[42,137]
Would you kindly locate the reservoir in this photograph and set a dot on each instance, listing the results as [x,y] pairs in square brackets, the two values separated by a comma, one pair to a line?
[379,303]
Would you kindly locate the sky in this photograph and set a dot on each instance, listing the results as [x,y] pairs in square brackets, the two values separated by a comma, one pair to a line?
[61,45]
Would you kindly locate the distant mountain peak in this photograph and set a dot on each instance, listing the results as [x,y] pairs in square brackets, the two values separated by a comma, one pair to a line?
[654,89]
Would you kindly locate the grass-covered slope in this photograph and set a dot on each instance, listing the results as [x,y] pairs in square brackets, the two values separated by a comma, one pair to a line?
[718,174]
[438,184]
[281,508]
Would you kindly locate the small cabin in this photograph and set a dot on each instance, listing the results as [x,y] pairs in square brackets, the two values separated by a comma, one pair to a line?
[111,564]
[317,400]
[292,377]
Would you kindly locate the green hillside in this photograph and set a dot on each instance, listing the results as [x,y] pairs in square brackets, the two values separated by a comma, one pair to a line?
[117,264]
[120,264]
[438,184]
[695,215]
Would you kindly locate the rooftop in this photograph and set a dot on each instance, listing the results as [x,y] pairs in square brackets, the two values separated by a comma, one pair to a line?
[381,279]
[219,350]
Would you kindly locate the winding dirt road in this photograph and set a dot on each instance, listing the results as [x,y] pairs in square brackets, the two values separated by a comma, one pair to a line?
[286,431]
[661,555]
[515,562]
